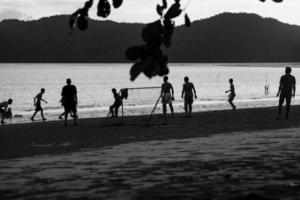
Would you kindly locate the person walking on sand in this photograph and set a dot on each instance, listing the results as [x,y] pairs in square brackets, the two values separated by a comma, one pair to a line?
[69,96]
[3,109]
[167,95]
[37,103]
[114,109]
[188,93]
[232,94]
[287,90]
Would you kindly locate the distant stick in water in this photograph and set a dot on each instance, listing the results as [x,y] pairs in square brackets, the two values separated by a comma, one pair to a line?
[188,93]
[37,103]
[69,101]
[3,109]
[232,94]
[287,90]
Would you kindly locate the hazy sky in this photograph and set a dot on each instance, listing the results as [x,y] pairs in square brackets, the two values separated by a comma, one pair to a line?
[144,10]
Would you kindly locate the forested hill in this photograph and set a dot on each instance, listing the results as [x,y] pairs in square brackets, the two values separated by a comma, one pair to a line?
[226,37]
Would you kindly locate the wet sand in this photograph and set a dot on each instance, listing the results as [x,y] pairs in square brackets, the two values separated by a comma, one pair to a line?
[243,154]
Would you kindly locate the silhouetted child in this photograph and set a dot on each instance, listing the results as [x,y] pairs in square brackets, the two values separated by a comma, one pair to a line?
[114,109]
[188,93]
[3,109]
[37,103]
[167,95]
[231,95]
[286,91]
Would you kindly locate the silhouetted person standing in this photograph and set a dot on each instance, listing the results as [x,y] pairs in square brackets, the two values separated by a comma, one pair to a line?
[3,109]
[232,94]
[69,101]
[114,109]
[167,95]
[188,93]
[37,103]
[286,91]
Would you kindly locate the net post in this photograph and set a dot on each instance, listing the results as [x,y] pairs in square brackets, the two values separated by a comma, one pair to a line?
[150,118]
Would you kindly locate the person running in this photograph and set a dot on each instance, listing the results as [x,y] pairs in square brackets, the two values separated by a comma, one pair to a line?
[69,96]
[232,94]
[114,109]
[3,109]
[167,95]
[287,90]
[37,103]
[188,93]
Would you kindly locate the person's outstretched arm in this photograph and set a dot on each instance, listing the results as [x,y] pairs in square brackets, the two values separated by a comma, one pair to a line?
[182,93]
[172,90]
[44,100]
[280,87]
[294,88]
[34,100]
[194,91]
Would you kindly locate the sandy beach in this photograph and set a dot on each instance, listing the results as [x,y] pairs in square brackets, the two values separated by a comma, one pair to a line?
[243,154]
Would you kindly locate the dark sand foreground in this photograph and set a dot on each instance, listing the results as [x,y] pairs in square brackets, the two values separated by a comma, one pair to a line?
[23,140]
[245,154]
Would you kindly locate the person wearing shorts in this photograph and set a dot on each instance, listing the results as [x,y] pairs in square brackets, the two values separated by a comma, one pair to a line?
[3,109]
[287,90]
[69,97]
[188,94]
[37,103]
[167,95]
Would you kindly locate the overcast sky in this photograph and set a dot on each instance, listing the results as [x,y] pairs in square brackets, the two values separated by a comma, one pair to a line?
[144,10]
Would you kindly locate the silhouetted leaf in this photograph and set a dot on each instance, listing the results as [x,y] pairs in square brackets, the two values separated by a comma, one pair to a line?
[135,52]
[174,11]
[82,23]
[136,70]
[103,8]
[159,10]
[152,33]
[168,27]
[187,20]
[117,3]
[165,4]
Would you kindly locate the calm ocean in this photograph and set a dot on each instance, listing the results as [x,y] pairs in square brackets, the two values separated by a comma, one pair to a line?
[95,81]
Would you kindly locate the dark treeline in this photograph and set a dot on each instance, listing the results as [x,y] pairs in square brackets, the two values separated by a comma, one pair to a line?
[222,38]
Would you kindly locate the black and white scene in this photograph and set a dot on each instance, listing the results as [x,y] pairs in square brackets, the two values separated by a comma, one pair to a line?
[150,99]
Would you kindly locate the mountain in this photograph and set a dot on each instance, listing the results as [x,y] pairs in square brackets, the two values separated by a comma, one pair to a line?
[225,37]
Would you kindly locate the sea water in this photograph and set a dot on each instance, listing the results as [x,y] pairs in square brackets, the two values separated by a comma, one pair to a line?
[94,82]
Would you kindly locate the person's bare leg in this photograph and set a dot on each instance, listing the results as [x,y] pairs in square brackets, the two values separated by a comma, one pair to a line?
[288,108]
[186,109]
[32,118]
[75,119]
[164,109]
[172,110]
[190,109]
[66,118]
[233,106]
[42,113]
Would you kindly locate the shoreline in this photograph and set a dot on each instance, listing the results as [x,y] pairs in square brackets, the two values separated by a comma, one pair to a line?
[27,140]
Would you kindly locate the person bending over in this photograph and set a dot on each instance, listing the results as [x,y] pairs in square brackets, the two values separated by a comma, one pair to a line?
[3,109]
[114,109]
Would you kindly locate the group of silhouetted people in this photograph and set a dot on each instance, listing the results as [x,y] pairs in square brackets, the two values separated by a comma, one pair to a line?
[287,90]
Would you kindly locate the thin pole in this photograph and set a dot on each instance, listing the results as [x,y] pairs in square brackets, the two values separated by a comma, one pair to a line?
[154,109]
